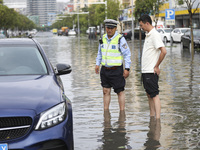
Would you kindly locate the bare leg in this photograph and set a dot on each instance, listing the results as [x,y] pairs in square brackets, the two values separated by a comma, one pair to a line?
[151,106]
[106,97]
[121,100]
[157,105]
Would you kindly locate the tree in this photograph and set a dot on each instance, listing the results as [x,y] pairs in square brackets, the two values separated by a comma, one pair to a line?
[191,10]
[97,12]
[10,19]
[113,11]
[148,7]
[95,17]
[6,17]
[66,21]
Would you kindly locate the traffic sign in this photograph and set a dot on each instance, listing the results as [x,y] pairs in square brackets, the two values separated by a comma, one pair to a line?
[4,146]
[169,16]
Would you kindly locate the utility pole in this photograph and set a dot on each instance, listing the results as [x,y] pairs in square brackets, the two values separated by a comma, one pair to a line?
[78,22]
[106,9]
[132,23]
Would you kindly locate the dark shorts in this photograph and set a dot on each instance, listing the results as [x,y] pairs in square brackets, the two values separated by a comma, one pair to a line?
[113,78]
[150,83]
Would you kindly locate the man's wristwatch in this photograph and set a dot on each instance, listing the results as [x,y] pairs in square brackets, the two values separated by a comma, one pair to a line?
[127,69]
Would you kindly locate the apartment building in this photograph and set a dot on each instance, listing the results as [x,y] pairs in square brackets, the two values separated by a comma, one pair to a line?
[44,9]
[19,5]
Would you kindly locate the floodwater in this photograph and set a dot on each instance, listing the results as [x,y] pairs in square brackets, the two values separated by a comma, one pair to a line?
[132,129]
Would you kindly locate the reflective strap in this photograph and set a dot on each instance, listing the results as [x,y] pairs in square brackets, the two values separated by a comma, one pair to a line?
[112,62]
[111,54]
[111,58]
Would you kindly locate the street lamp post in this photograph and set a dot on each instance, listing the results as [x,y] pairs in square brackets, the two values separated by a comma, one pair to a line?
[132,23]
[78,23]
[106,9]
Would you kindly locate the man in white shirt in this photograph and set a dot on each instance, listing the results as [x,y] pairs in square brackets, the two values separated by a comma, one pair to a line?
[153,54]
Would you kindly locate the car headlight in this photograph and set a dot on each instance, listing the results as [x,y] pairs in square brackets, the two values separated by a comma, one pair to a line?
[52,117]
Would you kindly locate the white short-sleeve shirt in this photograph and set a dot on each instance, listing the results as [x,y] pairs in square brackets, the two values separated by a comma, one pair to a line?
[151,51]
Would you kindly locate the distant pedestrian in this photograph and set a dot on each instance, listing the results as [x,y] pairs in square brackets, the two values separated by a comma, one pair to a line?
[153,54]
[112,49]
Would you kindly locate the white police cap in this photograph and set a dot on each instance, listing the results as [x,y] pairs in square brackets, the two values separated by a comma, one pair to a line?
[111,23]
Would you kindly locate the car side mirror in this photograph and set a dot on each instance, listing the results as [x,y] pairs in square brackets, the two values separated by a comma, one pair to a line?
[63,69]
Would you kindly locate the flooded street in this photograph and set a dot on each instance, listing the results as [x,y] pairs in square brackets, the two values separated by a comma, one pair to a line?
[132,129]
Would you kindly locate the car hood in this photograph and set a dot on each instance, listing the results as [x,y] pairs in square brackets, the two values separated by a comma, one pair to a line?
[36,93]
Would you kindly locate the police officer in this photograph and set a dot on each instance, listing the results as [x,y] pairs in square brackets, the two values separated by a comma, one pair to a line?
[111,51]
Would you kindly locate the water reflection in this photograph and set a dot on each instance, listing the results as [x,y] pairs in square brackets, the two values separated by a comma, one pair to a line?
[153,135]
[114,135]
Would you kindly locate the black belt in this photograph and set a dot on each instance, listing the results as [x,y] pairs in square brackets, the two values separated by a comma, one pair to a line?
[111,68]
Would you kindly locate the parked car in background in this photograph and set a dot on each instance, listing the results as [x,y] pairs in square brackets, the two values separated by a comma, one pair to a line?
[127,34]
[72,32]
[2,36]
[100,29]
[186,38]
[35,113]
[137,33]
[177,33]
[91,30]
[59,32]
[54,31]
[165,34]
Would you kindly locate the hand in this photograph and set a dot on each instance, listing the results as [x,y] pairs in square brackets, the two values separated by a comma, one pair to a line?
[97,69]
[156,70]
[126,74]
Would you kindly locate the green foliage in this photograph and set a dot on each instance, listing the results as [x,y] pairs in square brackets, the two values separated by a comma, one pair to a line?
[113,9]
[97,12]
[147,7]
[66,21]
[9,19]
[180,2]
[95,17]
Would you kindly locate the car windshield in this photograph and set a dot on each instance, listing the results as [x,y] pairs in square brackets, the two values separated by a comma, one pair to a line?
[21,61]
[184,30]
[168,30]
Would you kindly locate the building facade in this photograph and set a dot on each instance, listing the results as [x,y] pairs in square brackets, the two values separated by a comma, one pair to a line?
[79,4]
[44,9]
[181,13]
[19,5]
